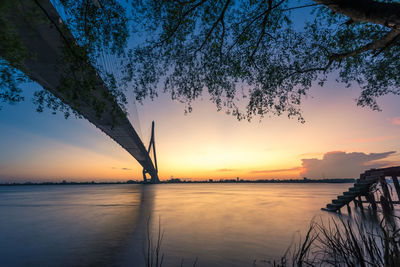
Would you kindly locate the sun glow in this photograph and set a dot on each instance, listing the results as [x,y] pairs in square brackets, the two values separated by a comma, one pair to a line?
[202,145]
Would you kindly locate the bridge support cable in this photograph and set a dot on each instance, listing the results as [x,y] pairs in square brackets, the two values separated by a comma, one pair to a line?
[109,64]
[48,39]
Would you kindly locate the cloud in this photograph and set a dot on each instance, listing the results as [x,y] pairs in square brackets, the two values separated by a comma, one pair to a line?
[395,120]
[339,164]
[276,170]
[225,170]
[124,169]
[311,154]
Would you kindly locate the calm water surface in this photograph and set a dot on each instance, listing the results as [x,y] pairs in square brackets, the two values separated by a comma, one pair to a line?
[105,225]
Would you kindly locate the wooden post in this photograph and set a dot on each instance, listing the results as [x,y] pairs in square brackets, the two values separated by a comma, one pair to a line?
[360,202]
[387,210]
[371,198]
[396,185]
[356,203]
[386,192]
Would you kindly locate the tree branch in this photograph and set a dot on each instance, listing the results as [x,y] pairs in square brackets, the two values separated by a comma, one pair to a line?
[263,25]
[324,69]
[222,41]
[220,18]
[181,19]
[385,14]
[298,7]
[85,16]
[246,28]
[382,43]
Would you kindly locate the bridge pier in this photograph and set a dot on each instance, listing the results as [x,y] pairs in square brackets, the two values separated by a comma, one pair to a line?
[153,172]
[153,177]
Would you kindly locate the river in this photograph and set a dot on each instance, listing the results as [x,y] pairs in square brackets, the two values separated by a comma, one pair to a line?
[106,225]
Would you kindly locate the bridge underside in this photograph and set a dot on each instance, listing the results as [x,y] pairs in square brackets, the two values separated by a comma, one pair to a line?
[47,67]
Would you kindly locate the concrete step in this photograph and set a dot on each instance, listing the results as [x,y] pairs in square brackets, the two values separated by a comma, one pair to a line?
[362,186]
[358,181]
[330,210]
[357,190]
[346,198]
[334,206]
[340,201]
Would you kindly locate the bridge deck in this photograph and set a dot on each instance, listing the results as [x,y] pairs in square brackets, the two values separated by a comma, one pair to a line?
[46,42]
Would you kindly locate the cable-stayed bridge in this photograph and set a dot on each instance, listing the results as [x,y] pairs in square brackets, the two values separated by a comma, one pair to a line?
[46,40]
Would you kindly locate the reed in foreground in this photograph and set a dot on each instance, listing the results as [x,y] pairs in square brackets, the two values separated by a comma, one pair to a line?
[339,242]
[152,252]
[343,242]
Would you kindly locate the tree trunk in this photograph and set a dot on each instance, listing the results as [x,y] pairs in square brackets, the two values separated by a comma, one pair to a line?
[385,14]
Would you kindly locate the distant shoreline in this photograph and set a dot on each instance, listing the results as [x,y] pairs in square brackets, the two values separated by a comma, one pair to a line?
[179,181]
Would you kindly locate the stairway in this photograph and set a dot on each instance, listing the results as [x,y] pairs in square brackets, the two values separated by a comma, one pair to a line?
[360,188]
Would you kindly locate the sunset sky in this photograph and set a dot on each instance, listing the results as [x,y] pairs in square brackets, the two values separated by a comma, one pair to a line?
[338,139]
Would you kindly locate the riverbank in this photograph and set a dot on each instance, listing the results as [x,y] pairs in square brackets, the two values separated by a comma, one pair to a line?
[186,181]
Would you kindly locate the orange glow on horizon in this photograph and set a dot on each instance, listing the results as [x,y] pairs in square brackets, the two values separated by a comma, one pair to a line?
[202,145]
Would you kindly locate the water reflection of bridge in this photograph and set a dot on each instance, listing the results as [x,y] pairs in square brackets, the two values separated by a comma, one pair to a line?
[46,39]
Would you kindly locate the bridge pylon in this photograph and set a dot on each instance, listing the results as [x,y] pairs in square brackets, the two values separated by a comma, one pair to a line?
[154,171]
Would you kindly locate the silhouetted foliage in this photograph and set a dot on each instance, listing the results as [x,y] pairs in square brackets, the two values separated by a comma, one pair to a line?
[239,52]
[253,50]
[348,242]
[98,29]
